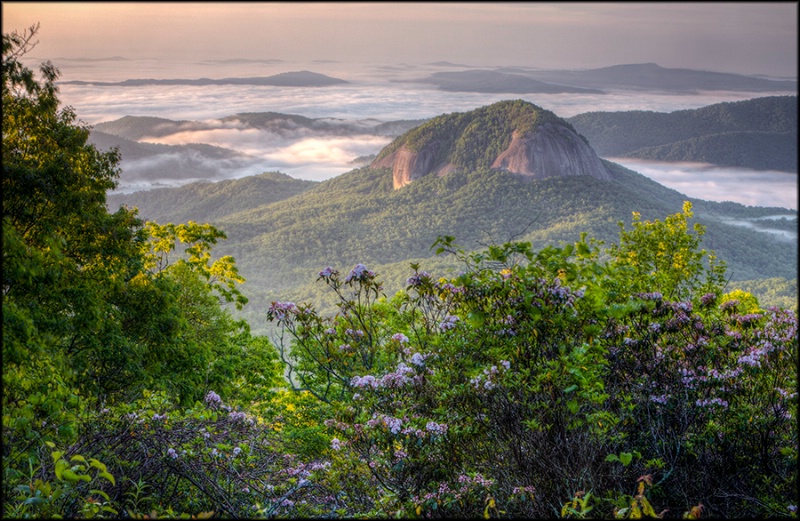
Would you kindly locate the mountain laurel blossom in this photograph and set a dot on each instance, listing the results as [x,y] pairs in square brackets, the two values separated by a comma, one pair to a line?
[400,337]
[359,272]
[281,310]
[212,399]
[328,272]
[448,323]
[418,360]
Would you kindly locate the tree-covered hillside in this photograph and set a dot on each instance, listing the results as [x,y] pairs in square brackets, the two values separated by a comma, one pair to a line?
[472,139]
[359,218]
[206,201]
[760,133]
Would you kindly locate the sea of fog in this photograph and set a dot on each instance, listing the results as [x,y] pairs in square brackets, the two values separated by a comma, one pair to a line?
[374,92]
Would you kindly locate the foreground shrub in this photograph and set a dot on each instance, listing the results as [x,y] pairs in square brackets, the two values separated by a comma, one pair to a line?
[538,380]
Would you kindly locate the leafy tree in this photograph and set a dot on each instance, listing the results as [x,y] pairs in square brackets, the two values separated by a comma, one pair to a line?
[90,316]
[663,256]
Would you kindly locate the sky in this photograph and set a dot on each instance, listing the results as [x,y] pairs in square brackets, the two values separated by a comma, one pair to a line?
[740,37]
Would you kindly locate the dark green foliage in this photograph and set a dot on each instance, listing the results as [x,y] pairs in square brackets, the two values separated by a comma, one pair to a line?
[94,310]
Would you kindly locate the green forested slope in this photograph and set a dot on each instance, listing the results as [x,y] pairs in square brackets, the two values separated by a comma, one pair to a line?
[359,218]
[759,133]
[209,201]
[759,150]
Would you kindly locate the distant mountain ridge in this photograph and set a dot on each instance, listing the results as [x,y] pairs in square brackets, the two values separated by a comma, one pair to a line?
[639,77]
[284,79]
[513,136]
[760,133]
[653,77]
[489,81]
[139,127]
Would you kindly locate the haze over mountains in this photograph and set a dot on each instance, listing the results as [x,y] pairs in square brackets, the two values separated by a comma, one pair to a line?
[285,79]
[282,230]
[514,80]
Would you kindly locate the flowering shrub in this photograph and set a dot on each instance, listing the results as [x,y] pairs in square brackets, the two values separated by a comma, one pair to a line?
[508,389]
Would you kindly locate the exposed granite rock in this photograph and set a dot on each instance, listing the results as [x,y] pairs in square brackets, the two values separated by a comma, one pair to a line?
[513,136]
[408,165]
[550,150]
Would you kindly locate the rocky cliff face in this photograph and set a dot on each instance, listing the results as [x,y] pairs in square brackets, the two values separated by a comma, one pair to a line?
[408,165]
[531,142]
[549,151]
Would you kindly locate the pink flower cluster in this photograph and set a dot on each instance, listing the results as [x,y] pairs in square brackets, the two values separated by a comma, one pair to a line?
[713,401]
[360,273]
[281,310]
[448,323]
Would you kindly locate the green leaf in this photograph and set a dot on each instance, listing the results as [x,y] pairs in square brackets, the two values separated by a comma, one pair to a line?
[476,318]
[97,464]
[570,389]
[612,457]
[72,477]
[61,465]
[625,458]
[100,493]
[108,476]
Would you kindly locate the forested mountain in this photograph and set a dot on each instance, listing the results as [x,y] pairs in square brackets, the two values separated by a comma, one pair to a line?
[511,136]
[361,217]
[760,133]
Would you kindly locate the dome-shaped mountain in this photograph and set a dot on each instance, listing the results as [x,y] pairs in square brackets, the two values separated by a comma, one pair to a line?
[514,136]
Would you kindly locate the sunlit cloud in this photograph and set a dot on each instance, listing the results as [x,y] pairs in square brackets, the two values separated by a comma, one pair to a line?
[338,151]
